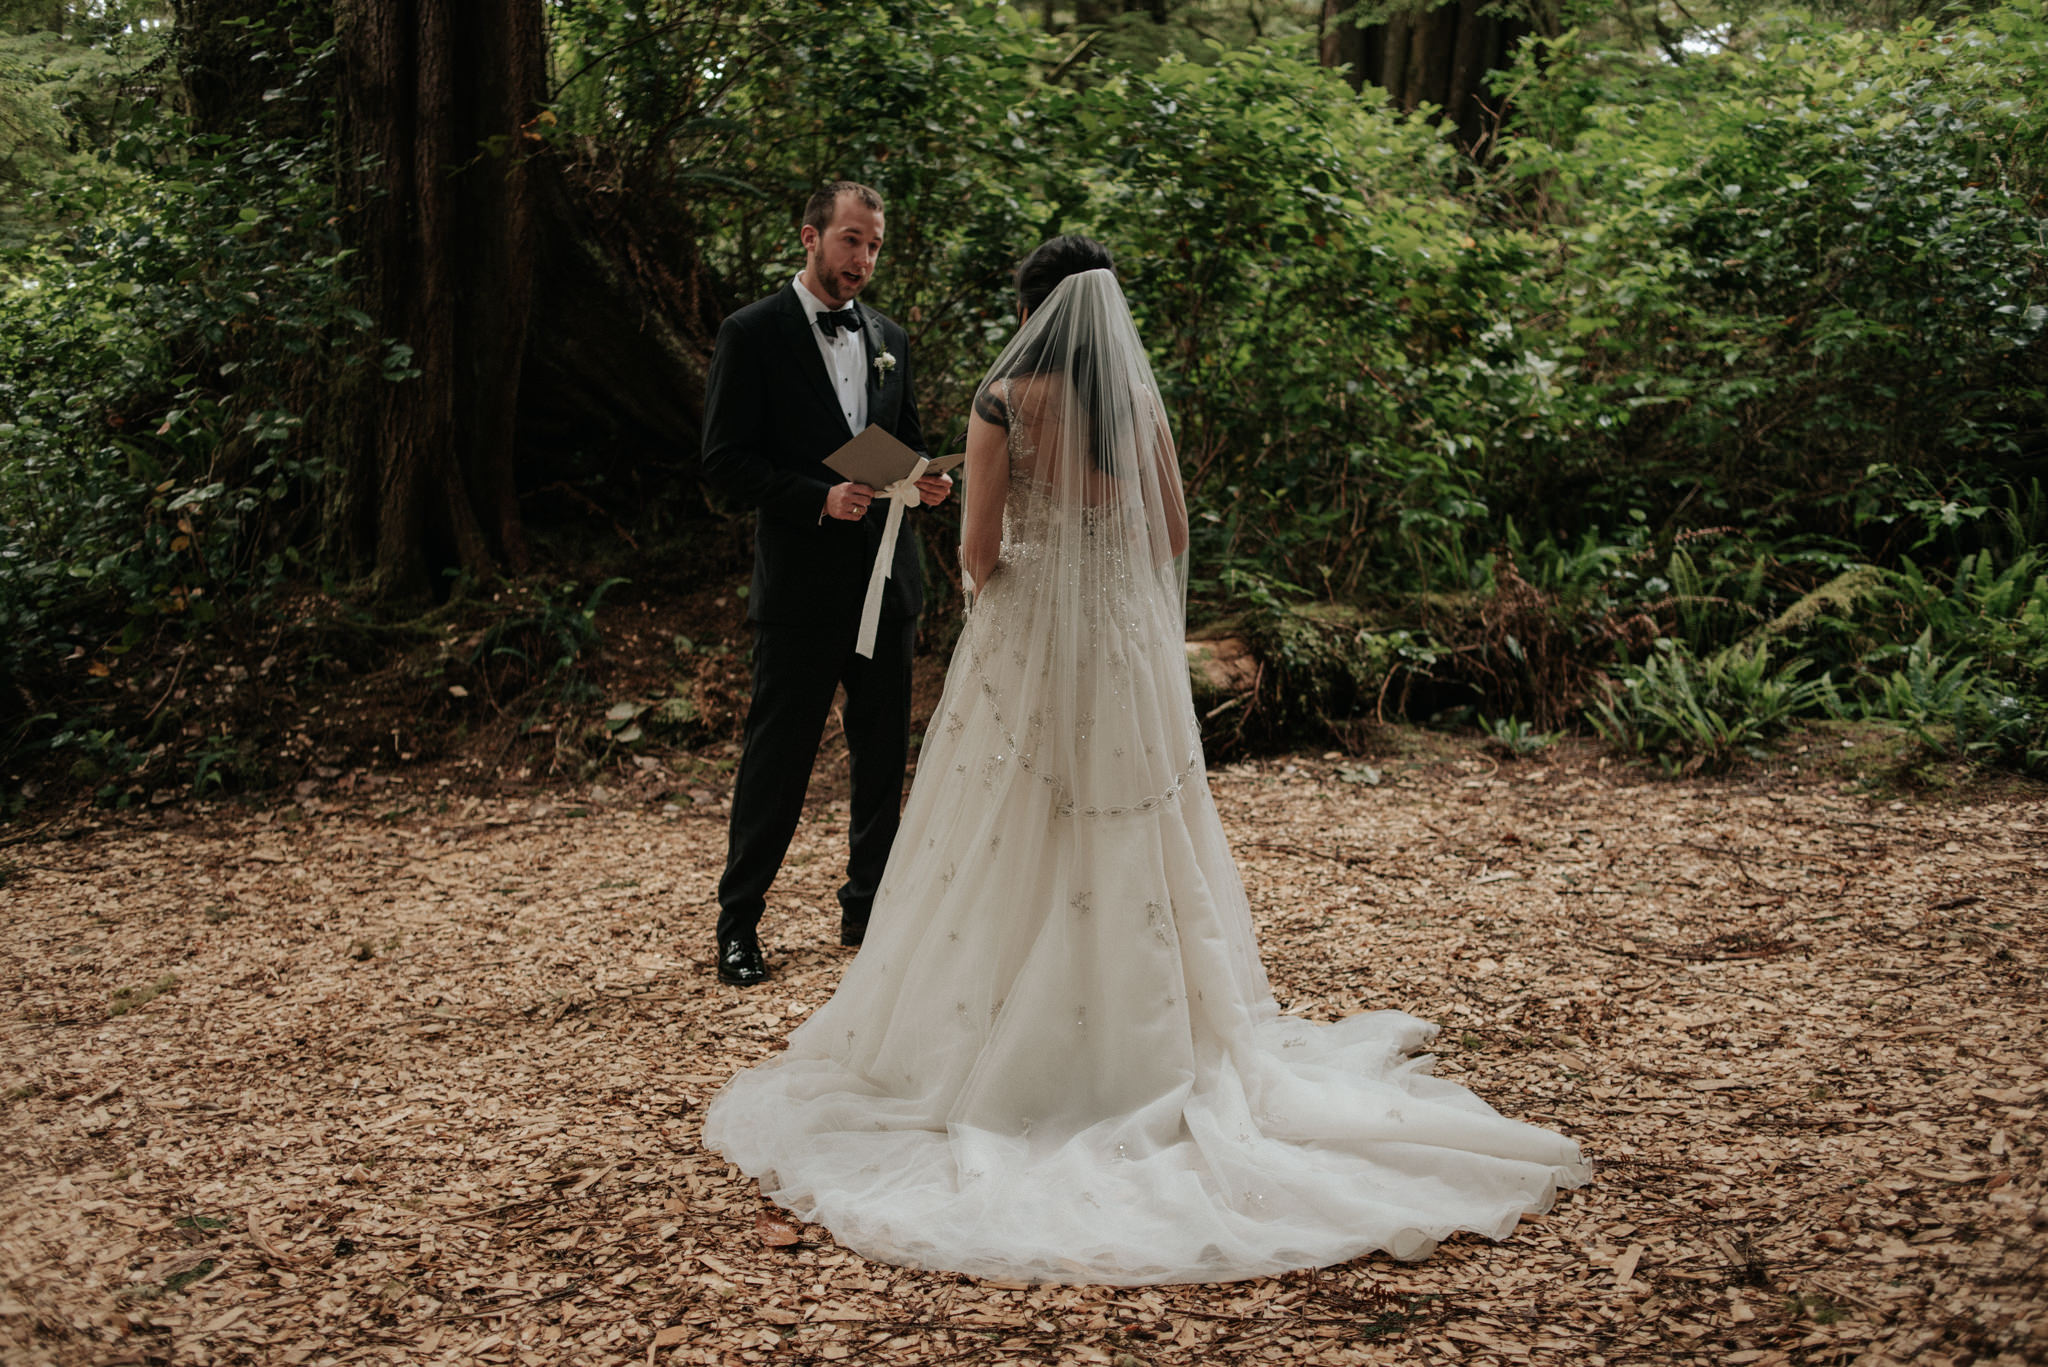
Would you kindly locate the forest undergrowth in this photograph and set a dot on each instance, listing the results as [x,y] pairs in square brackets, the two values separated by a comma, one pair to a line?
[1706,402]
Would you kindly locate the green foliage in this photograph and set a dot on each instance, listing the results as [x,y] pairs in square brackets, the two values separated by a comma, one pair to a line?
[157,335]
[1736,346]
[546,643]
[1998,616]
[1696,715]
[126,999]
[1974,682]
[1759,251]
[73,80]
[1516,738]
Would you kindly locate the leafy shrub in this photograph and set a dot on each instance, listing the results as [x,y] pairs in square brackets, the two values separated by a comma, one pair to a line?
[544,641]
[1696,715]
[1974,682]
[155,338]
[1515,738]
[1947,706]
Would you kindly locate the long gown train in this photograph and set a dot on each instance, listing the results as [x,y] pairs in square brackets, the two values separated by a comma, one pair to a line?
[1057,1056]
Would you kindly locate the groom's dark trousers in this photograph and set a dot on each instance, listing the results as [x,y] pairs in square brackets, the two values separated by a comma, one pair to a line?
[795,670]
[770,419]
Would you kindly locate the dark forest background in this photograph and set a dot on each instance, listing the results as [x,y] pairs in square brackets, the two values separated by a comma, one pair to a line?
[1670,373]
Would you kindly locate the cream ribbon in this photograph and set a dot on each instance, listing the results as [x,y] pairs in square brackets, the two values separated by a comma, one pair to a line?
[902,494]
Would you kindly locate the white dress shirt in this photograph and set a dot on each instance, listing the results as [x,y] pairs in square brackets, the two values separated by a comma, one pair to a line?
[846,360]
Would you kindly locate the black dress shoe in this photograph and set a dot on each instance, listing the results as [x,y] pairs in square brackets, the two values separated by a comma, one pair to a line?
[852,935]
[740,962]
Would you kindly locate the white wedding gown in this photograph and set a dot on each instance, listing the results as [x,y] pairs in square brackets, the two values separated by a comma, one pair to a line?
[1057,1057]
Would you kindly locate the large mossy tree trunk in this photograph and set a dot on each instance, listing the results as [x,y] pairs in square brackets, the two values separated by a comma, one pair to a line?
[436,104]
[1431,52]
[555,313]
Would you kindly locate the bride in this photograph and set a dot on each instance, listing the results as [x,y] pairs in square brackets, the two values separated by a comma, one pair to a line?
[1056,1057]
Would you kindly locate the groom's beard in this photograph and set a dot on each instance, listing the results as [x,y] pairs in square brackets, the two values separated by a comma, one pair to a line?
[838,289]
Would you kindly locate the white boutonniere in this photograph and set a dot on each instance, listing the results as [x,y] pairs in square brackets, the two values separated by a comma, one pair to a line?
[884,363]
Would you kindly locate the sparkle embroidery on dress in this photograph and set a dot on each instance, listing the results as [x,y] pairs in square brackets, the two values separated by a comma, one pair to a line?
[1080,902]
[1155,917]
[954,724]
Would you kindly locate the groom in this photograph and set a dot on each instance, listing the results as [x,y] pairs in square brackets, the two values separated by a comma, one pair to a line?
[793,378]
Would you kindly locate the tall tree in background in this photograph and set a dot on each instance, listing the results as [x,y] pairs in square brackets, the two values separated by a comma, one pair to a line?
[1427,52]
[512,291]
[437,105]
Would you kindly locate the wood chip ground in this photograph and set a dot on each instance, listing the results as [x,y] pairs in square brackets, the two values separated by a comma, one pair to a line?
[413,1078]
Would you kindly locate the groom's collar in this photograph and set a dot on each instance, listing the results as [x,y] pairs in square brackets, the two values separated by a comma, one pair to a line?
[812,305]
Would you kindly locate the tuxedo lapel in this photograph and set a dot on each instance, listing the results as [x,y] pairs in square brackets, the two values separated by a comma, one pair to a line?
[871,329]
[808,360]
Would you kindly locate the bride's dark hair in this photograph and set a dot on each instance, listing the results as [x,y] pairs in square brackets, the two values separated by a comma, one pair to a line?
[1038,275]
[1051,262]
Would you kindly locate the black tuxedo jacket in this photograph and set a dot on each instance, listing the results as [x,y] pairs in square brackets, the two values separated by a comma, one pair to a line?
[770,419]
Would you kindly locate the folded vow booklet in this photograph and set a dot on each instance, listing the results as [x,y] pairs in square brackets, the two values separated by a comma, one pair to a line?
[875,458]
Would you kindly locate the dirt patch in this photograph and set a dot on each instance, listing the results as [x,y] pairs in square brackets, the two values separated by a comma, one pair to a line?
[413,1073]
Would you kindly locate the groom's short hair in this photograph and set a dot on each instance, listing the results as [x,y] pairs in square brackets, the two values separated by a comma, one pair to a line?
[818,212]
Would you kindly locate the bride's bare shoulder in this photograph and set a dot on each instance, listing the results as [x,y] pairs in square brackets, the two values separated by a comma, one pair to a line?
[1033,397]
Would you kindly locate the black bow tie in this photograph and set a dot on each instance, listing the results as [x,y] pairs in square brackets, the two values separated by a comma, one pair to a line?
[830,323]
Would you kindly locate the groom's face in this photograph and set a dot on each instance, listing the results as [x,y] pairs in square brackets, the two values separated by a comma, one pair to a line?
[839,260]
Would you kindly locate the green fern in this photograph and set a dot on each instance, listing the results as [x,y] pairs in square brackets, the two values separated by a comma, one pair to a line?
[1695,715]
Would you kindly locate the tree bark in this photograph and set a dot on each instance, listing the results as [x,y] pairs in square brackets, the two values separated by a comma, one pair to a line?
[1476,49]
[616,361]
[1344,43]
[558,320]
[1393,72]
[498,90]
[1433,52]
[435,101]
[1429,71]
[224,70]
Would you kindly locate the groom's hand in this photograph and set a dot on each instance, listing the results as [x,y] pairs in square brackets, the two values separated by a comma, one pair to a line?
[848,502]
[934,488]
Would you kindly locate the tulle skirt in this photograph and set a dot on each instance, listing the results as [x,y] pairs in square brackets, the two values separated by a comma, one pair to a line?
[1057,1057]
